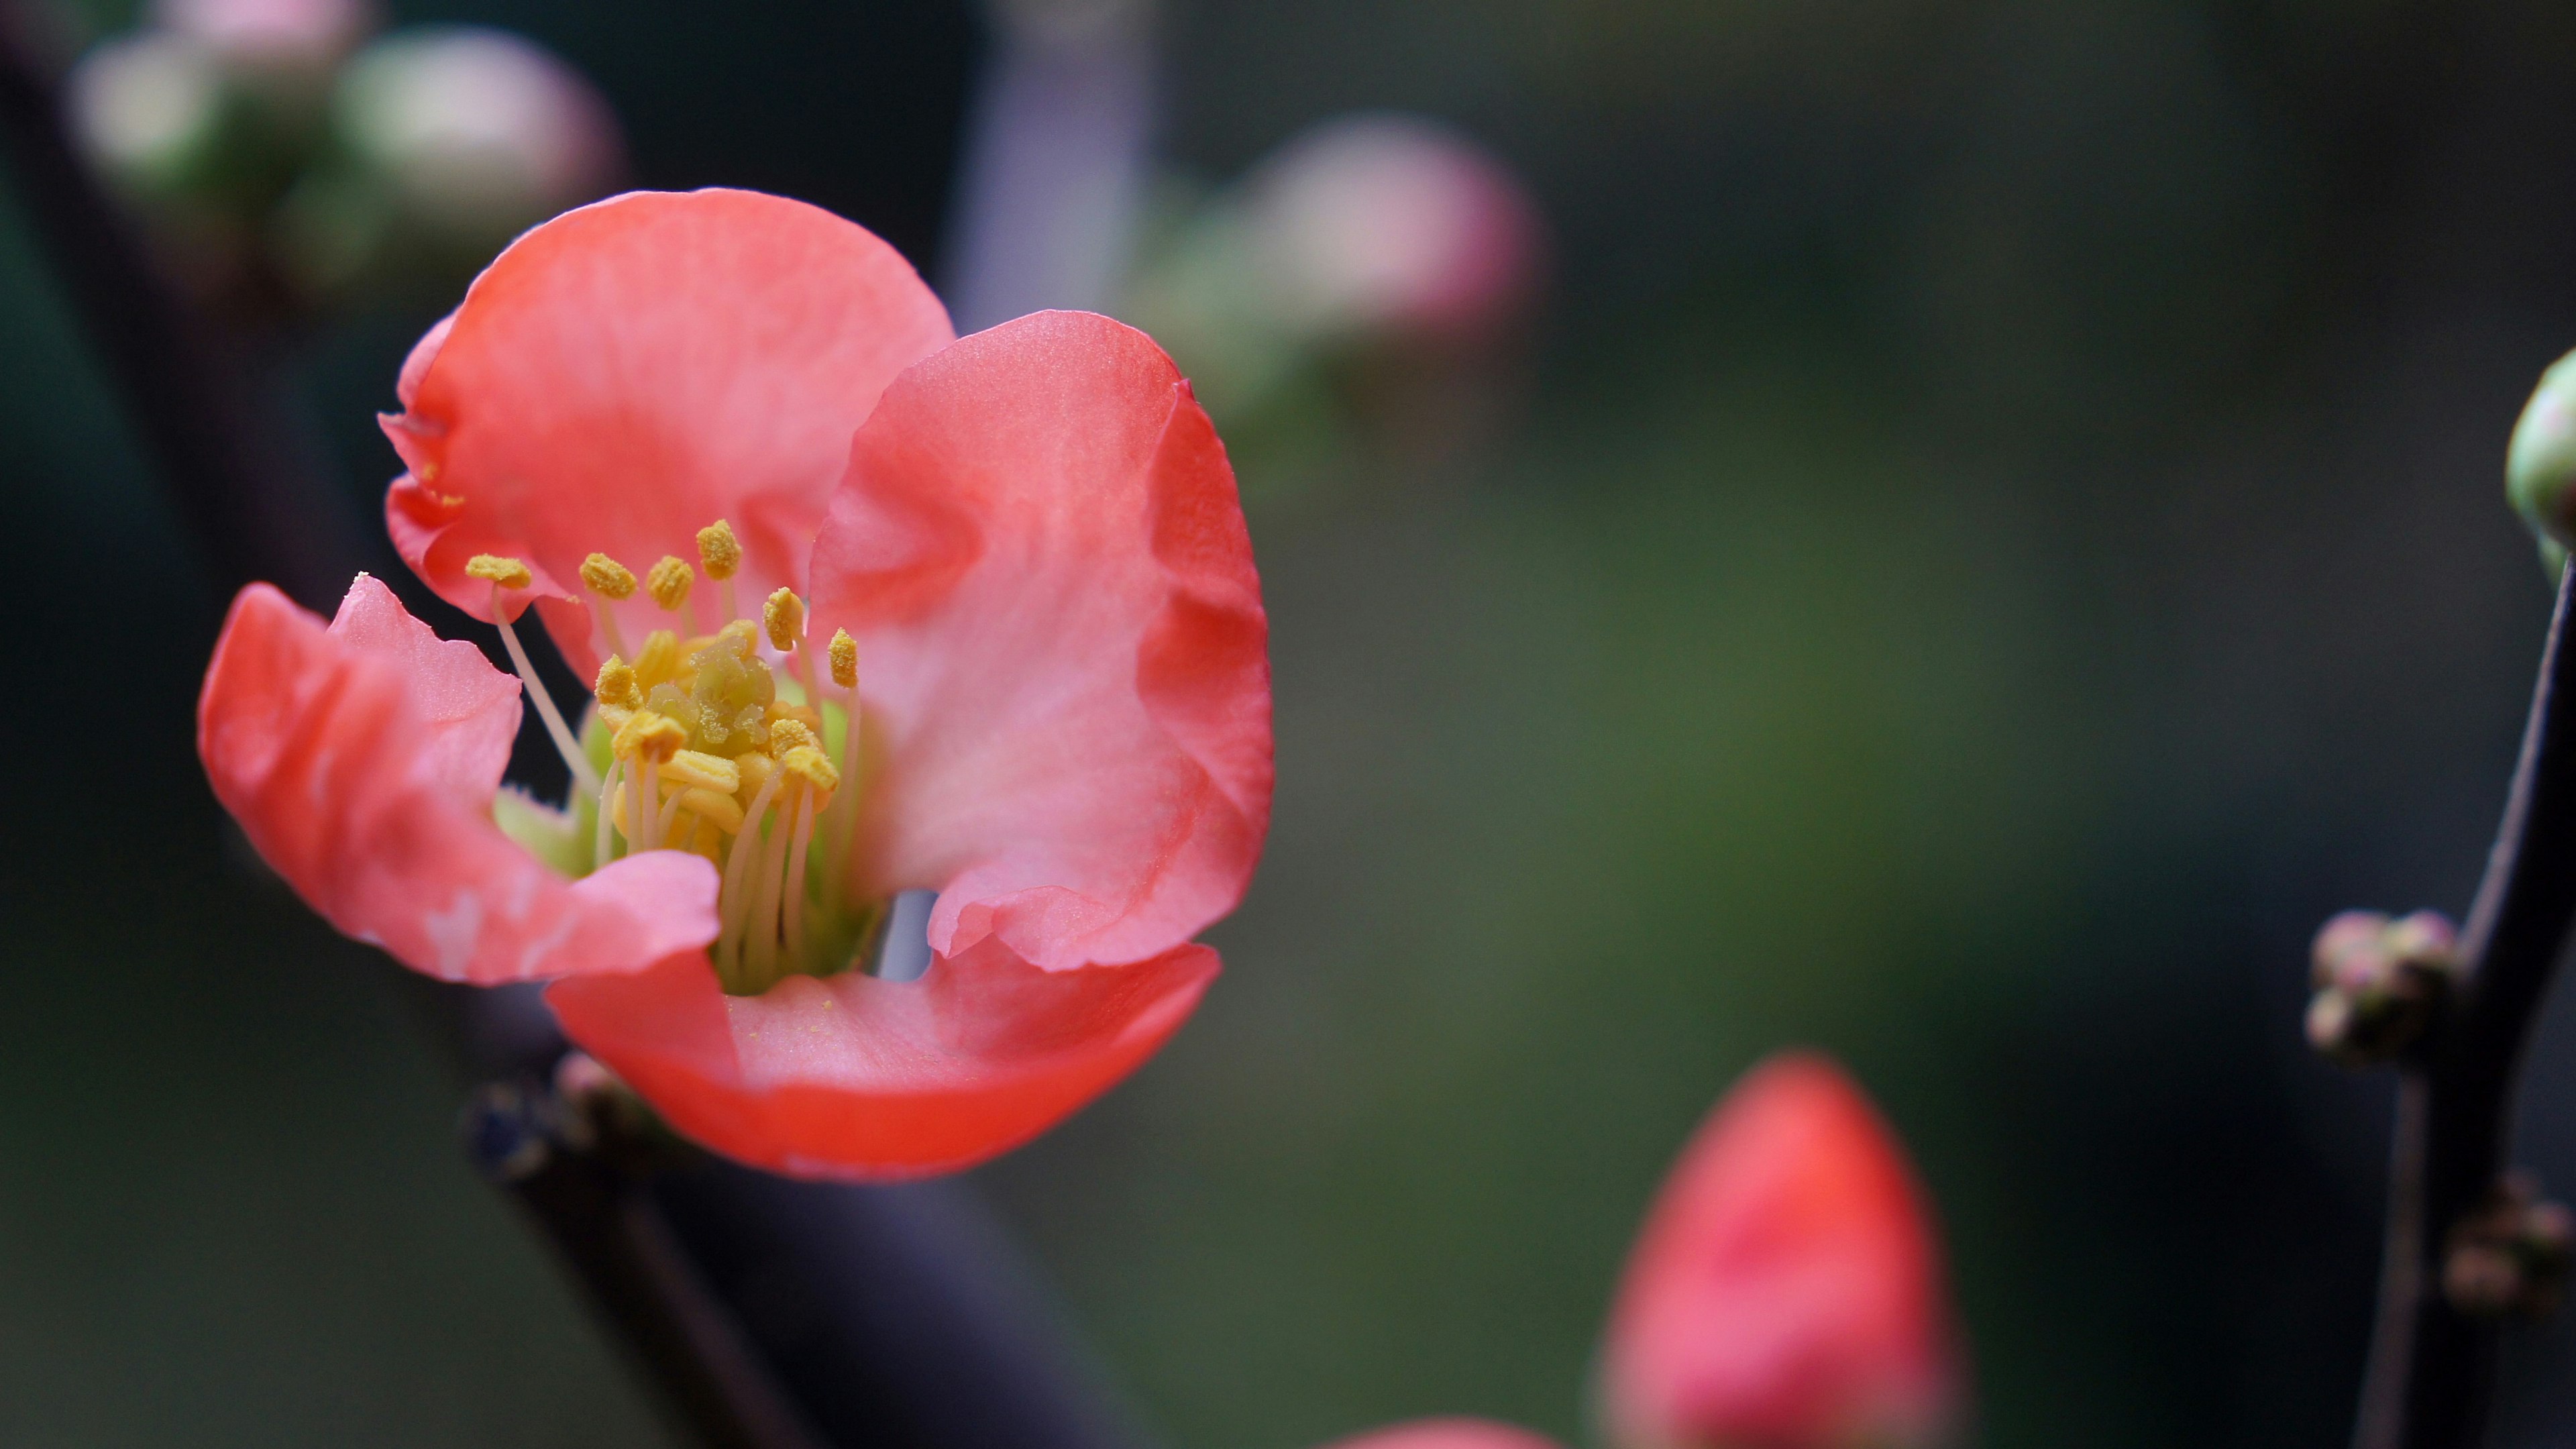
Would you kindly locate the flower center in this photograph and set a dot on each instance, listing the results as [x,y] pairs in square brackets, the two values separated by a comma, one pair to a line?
[718,746]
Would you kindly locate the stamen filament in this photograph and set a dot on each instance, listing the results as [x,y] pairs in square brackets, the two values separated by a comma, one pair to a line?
[607,795]
[646,812]
[796,875]
[608,627]
[760,943]
[731,899]
[584,778]
[670,815]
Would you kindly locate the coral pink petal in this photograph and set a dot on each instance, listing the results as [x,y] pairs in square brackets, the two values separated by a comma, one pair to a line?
[634,370]
[1061,641]
[1446,1434]
[470,710]
[329,746]
[856,1077]
[1786,1291]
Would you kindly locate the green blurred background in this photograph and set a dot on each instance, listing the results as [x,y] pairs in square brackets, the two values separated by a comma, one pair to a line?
[1999,535]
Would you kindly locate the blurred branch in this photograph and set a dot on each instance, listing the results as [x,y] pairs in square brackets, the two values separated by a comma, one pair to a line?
[2432,1365]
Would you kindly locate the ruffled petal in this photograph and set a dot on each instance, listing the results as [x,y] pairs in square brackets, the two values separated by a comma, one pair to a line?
[857,1077]
[1786,1290]
[346,754]
[468,710]
[631,371]
[1062,647]
[1447,1433]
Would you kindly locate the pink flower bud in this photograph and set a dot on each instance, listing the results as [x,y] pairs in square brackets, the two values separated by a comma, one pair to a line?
[302,35]
[1446,1434]
[1379,221]
[1786,1291]
[480,131]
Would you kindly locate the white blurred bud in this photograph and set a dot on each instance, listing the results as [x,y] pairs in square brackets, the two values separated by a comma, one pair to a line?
[478,131]
[285,35]
[146,106]
[1383,221]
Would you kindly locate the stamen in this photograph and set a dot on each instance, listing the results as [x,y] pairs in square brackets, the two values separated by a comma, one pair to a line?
[845,673]
[697,770]
[670,815]
[649,737]
[612,581]
[721,553]
[607,577]
[789,734]
[760,942]
[720,810]
[731,898]
[646,818]
[607,795]
[505,573]
[669,582]
[616,687]
[796,876]
[659,662]
[584,778]
[845,659]
[784,618]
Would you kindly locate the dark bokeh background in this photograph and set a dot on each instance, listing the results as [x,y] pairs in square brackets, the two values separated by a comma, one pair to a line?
[2003,535]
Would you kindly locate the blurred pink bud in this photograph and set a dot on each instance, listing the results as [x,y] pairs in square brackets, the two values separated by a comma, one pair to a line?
[145,106]
[1446,1434]
[477,129]
[285,34]
[1377,221]
[1786,1291]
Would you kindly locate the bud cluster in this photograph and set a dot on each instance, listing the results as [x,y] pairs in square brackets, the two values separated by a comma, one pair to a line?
[282,159]
[2510,1258]
[2380,983]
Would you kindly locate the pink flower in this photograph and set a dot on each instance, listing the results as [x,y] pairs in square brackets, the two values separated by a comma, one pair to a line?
[1784,1294]
[1045,694]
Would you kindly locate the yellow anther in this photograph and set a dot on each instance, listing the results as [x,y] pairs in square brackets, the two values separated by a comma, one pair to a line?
[509,573]
[659,659]
[789,735]
[616,687]
[700,770]
[804,714]
[607,577]
[845,659]
[651,734]
[784,617]
[755,768]
[669,582]
[719,550]
[721,811]
[737,636]
[812,766]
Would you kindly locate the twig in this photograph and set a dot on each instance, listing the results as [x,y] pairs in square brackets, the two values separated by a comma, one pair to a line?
[2432,1366]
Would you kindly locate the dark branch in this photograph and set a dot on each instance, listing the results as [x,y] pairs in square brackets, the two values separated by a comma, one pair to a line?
[2432,1366]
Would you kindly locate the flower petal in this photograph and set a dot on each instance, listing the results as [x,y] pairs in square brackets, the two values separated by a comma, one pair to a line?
[346,754]
[1446,1433]
[1062,645]
[858,1077]
[1786,1290]
[469,708]
[631,371]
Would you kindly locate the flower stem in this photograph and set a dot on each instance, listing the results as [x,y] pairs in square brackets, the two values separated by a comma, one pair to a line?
[2432,1366]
